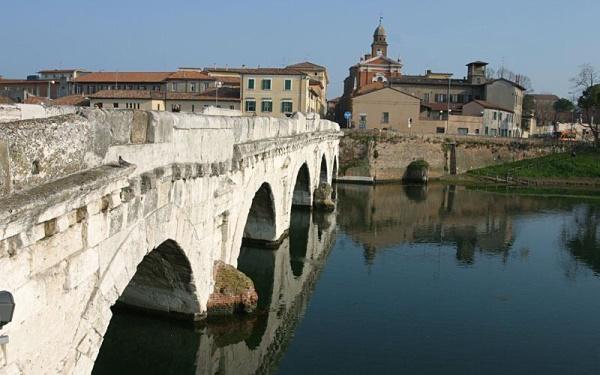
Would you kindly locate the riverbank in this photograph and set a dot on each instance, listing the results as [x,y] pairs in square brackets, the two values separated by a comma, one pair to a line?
[578,169]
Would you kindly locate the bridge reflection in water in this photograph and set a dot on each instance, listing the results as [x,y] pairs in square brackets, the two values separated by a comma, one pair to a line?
[284,279]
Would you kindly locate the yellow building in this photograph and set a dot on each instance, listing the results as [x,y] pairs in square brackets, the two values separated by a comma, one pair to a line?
[277,92]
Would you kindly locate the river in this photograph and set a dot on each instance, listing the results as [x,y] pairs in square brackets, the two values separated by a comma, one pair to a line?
[400,280]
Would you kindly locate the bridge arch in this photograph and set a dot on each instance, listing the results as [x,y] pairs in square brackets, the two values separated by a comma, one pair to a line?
[323,174]
[163,283]
[334,170]
[302,193]
[261,219]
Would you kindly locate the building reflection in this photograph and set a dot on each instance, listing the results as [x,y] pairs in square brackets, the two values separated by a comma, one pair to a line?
[581,238]
[472,221]
[284,279]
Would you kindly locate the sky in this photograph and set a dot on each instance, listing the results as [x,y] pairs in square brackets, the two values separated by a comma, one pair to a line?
[546,40]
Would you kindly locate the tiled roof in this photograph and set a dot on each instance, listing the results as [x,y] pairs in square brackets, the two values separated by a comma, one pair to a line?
[424,80]
[443,106]
[225,93]
[33,99]
[128,94]
[507,81]
[489,105]
[477,63]
[370,87]
[258,71]
[127,77]
[307,65]
[77,100]
[191,74]
[272,71]
[229,81]
[24,81]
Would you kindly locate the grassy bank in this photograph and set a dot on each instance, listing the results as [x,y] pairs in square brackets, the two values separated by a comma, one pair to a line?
[582,167]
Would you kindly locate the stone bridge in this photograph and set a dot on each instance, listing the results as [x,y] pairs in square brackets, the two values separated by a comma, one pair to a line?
[100,207]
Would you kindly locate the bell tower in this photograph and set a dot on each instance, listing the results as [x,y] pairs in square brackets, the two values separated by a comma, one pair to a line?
[379,45]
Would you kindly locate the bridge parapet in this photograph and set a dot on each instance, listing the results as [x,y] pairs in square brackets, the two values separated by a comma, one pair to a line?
[37,151]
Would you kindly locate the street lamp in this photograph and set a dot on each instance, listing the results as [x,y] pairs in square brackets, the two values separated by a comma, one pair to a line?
[50,83]
[218,84]
[7,308]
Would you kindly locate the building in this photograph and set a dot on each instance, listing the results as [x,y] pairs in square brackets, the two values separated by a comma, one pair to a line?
[319,81]
[379,106]
[276,92]
[442,96]
[20,89]
[299,87]
[497,120]
[63,77]
[385,107]
[228,98]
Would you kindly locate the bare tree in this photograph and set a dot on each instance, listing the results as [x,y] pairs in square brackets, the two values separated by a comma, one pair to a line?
[587,82]
[587,77]
[520,79]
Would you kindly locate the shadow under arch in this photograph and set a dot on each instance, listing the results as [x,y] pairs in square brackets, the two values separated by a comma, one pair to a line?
[163,286]
[323,175]
[260,223]
[302,193]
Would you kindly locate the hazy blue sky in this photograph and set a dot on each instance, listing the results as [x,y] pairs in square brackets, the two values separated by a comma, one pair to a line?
[544,39]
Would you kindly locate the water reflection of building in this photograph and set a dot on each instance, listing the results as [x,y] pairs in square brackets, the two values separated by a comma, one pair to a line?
[581,238]
[472,221]
[284,279]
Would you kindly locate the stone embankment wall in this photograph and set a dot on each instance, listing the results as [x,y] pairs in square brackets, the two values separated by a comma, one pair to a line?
[385,155]
[16,112]
[86,197]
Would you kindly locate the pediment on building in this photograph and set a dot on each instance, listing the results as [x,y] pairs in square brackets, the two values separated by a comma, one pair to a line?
[381,60]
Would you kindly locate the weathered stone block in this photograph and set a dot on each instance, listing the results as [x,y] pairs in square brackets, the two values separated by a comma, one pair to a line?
[80,267]
[96,229]
[52,250]
[139,127]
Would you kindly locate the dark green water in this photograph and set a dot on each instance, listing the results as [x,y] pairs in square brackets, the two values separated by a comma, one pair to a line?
[401,280]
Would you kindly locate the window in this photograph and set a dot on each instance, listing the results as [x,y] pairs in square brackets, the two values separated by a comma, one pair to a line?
[266,84]
[192,87]
[250,105]
[250,83]
[463,131]
[362,121]
[287,85]
[175,108]
[385,118]
[441,98]
[266,106]
[231,107]
[193,108]
[115,105]
[495,115]
[426,98]
[476,131]
[286,106]
[158,107]
[460,98]
[174,86]
[440,130]
[500,116]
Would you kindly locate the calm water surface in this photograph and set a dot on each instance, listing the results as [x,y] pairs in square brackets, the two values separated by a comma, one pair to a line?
[401,280]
